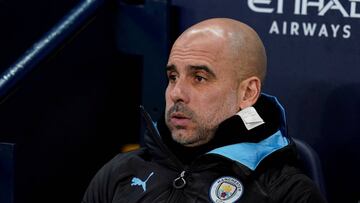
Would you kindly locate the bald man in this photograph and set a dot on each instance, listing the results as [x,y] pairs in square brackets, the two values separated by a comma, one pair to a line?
[220,139]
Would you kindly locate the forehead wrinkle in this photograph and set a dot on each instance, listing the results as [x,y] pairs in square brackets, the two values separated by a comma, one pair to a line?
[193,55]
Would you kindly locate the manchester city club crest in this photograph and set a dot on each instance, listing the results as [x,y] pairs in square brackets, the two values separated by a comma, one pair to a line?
[226,190]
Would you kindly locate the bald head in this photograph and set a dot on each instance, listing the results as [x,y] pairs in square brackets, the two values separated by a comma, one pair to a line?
[215,69]
[233,41]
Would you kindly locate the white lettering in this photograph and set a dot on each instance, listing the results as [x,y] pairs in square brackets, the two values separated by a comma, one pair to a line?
[251,4]
[284,27]
[309,29]
[323,31]
[297,7]
[306,4]
[334,5]
[274,28]
[301,7]
[335,29]
[280,6]
[294,29]
[346,30]
[353,9]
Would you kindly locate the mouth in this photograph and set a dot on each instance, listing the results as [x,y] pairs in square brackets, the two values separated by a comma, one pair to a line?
[179,119]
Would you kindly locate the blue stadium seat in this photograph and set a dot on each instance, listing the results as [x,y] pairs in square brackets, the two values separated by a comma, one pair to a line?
[7,172]
[311,164]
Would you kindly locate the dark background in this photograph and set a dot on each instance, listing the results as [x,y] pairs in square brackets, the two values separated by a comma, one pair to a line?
[76,110]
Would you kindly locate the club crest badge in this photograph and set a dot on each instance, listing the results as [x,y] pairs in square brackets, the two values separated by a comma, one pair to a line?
[226,190]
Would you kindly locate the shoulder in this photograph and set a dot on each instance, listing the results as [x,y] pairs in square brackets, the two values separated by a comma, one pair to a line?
[121,162]
[289,184]
[118,162]
[121,157]
[103,183]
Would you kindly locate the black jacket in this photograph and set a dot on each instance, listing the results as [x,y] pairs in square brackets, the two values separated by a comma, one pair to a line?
[238,165]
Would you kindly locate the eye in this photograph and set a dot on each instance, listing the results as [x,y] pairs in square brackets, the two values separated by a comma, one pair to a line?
[171,77]
[199,78]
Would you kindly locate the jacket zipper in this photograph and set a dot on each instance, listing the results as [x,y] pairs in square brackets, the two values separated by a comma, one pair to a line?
[178,184]
[180,181]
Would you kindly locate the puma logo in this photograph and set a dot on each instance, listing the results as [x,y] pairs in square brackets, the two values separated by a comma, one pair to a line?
[138,182]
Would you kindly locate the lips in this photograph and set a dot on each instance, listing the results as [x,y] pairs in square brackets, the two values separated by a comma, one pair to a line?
[179,119]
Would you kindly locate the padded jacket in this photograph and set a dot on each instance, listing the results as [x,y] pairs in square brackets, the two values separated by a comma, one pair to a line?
[237,165]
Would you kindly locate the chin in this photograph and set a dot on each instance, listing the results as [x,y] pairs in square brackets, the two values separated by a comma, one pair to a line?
[187,140]
[181,137]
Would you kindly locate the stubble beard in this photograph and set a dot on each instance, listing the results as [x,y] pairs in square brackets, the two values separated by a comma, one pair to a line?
[205,128]
[200,135]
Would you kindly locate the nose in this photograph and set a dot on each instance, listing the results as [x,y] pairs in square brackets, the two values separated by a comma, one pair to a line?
[179,92]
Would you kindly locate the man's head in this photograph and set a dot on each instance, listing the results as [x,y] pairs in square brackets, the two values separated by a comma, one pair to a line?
[215,69]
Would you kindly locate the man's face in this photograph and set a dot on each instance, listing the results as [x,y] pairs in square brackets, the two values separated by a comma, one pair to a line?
[202,90]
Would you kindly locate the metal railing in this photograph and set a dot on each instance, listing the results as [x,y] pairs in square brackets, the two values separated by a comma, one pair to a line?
[57,35]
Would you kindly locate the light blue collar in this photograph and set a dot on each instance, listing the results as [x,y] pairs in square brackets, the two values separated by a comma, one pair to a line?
[251,154]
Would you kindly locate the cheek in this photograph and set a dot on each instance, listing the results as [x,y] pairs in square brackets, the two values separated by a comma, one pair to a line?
[217,107]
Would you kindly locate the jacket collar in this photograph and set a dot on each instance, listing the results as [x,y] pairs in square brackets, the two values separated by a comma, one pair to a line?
[232,140]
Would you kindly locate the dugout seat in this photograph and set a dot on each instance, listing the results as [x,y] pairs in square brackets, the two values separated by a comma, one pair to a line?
[311,164]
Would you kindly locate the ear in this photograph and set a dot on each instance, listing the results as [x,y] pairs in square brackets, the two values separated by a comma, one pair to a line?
[249,92]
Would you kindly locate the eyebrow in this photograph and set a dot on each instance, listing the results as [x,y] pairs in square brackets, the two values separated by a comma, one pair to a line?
[172,67]
[203,68]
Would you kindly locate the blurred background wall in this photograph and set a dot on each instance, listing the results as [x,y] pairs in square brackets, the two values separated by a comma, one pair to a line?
[75,111]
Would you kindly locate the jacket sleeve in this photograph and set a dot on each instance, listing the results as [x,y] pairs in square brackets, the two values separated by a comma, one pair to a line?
[100,189]
[298,188]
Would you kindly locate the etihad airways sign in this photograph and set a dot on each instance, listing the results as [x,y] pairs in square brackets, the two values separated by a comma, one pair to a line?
[346,9]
